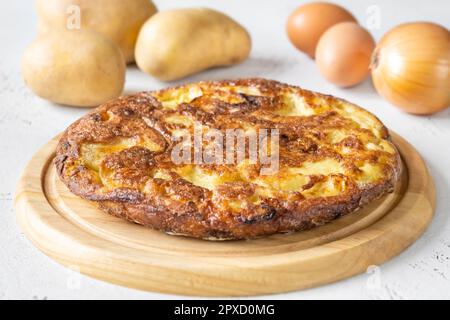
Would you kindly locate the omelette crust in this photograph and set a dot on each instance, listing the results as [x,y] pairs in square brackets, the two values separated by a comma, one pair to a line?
[334,158]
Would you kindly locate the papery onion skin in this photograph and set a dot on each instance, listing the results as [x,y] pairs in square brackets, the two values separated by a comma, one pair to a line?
[411,67]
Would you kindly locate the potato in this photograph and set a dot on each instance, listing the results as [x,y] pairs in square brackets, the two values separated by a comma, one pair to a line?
[77,68]
[176,43]
[118,20]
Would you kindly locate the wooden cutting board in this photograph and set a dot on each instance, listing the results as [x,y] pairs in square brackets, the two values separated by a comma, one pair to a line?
[75,233]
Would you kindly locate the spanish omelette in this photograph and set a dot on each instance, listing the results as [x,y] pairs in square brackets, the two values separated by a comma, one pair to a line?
[334,157]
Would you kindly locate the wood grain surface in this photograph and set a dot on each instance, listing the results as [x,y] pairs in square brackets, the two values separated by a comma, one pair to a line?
[75,233]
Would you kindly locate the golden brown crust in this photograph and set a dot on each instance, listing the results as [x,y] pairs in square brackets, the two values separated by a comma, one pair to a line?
[119,156]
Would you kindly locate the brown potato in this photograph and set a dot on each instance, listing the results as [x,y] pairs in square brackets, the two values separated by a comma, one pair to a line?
[118,20]
[176,43]
[77,68]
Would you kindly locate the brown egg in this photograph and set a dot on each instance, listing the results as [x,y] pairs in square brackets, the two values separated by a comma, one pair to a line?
[343,54]
[307,23]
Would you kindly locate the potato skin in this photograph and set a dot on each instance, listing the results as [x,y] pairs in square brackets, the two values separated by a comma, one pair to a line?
[77,68]
[118,20]
[176,43]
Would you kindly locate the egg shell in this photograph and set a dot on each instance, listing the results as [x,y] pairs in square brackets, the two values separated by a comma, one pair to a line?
[343,54]
[308,22]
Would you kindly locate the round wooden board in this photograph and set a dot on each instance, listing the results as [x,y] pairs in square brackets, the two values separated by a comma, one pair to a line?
[75,233]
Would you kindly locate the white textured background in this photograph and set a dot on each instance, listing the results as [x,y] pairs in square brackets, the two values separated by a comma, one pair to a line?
[27,122]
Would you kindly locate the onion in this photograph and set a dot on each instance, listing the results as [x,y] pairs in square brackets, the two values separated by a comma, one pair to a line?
[411,67]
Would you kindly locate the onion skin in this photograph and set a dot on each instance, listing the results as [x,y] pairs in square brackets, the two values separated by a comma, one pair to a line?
[411,67]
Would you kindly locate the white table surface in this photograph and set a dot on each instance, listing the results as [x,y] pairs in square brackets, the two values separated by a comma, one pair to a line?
[27,122]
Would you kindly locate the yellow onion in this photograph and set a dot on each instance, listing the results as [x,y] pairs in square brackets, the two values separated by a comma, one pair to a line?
[411,67]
